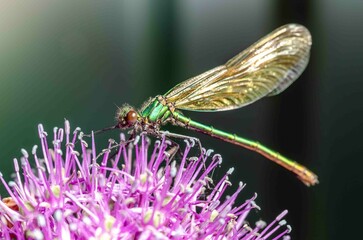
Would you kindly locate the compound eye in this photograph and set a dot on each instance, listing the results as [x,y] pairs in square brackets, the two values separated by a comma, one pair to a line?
[131,117]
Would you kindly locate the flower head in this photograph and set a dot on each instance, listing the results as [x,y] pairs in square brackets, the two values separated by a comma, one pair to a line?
[143,191]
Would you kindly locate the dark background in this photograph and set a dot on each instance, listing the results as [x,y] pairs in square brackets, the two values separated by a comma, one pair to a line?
[76,60]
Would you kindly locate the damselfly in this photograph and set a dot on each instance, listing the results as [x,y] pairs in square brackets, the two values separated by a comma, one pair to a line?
[266,68]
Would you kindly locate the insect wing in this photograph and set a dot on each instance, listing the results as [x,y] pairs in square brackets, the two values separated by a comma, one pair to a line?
[264,69]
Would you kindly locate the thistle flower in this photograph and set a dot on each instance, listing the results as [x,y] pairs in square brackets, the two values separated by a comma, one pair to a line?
[142,192]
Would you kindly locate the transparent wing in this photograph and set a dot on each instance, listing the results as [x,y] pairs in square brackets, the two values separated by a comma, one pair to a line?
[264,69]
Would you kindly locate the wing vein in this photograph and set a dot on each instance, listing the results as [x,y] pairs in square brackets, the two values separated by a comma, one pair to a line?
[266,68]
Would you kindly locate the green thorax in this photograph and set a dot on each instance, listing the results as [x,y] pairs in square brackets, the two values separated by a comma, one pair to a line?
[155,111]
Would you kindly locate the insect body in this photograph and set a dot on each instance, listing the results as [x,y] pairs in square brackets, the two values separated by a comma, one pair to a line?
[266,68]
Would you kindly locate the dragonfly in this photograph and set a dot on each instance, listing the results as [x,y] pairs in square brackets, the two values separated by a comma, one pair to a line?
[266,68]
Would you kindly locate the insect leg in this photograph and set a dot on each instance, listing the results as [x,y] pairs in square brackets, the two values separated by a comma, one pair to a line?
[180,136]
[116,146]
[173,150]
[101,131]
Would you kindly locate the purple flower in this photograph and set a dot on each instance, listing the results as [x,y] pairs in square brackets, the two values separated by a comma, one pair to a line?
[144,191]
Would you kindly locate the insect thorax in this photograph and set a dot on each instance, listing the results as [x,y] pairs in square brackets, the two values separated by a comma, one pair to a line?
[155,111]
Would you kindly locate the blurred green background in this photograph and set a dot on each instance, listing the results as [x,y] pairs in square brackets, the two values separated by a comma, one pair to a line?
[77,59]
